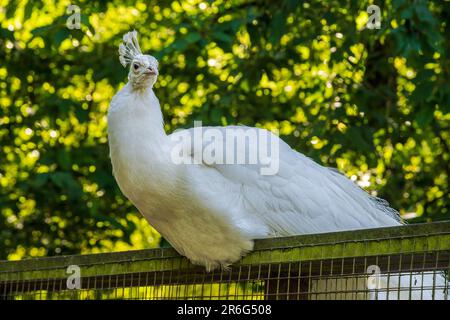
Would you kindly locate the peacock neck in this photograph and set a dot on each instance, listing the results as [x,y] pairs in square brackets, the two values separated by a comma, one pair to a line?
[139,147]
[147,114]
[135,121]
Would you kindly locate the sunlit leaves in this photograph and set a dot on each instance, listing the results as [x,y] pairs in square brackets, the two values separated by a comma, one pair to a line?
[374,103]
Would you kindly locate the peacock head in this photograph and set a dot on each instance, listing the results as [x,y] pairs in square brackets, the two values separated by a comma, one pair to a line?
[143,68]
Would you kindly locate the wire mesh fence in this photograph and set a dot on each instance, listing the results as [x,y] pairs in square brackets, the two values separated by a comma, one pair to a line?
[407,262]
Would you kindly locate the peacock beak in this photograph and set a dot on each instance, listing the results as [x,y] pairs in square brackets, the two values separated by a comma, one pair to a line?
[151,71]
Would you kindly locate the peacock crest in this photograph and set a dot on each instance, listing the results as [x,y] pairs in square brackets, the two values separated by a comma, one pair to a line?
[129,49]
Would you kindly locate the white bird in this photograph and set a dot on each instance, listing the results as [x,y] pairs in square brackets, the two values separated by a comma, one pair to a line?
[211,212]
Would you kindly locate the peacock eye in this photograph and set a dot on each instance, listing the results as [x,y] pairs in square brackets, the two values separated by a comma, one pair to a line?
[135,66]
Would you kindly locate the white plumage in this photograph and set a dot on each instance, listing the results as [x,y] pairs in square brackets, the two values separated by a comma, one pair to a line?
[211,213]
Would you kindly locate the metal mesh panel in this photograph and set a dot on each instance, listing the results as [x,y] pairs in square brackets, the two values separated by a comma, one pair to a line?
[407,262]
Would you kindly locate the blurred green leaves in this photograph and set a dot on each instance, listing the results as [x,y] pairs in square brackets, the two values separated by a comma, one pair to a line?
[374,103]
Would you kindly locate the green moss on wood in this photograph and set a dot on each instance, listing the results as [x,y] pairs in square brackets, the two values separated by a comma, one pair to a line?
[382,241]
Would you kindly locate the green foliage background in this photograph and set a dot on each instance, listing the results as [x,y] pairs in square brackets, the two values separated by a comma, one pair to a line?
[374,103]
